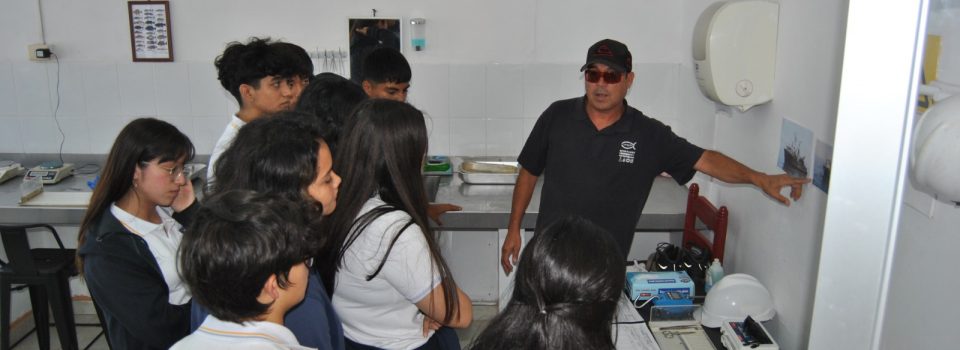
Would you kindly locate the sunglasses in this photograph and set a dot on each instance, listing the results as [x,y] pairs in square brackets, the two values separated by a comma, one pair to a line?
[611,77]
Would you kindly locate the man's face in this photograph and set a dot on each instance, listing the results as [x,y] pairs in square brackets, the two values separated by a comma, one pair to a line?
[603,96]
[388,90]
[274,93]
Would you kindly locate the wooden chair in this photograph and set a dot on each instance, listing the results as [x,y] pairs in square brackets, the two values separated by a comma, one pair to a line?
[698,207]
[46,273]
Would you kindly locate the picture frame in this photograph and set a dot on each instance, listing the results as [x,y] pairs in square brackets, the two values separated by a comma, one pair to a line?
[151,37]
[367,33]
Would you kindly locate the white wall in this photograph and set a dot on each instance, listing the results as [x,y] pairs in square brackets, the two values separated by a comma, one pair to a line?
[489,70]
[927,241]
[777,244]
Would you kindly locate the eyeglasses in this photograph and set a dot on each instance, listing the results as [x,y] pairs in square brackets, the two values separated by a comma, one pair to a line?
[611,77]
[175,173]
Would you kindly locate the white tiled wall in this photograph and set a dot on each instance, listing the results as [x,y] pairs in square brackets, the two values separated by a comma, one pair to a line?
[472,109]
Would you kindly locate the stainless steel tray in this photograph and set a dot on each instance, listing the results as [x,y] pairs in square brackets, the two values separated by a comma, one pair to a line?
[489,178]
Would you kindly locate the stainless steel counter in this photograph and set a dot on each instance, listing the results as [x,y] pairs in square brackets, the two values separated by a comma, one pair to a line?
[484,206]
[488,206]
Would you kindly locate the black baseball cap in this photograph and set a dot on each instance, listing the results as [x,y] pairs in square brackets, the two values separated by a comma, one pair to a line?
[611,53]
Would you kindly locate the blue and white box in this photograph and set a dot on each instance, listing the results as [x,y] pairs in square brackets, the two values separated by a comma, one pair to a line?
[646,285]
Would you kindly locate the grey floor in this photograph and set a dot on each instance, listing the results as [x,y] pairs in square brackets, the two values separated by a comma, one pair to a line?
[84,335]
[481,317]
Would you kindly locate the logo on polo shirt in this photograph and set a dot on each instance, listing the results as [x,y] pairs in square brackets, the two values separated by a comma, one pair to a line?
[628,151]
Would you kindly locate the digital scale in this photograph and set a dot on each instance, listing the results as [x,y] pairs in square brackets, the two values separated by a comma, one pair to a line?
[50,175]
[11,171]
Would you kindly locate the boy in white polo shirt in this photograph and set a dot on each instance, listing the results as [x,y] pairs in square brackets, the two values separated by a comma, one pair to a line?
[246,260]
[265,77]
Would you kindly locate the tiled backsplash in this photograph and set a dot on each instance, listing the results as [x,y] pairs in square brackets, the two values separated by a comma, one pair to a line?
[472,109]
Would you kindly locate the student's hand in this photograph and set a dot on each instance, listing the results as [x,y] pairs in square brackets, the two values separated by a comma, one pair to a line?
[434,210]
[184,198]
[510,252]
[429,324]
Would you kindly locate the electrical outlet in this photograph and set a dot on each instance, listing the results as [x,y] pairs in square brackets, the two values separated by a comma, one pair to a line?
[39,52]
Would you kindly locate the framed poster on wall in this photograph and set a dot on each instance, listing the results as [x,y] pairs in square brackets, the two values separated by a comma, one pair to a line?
[366,34]
[151,38]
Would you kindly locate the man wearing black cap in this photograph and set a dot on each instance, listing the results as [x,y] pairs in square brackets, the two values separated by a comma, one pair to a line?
[603,155]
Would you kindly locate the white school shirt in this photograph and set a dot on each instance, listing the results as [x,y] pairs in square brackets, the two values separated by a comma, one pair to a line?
[217,334]
[381,312]
[163,240]
[229,133]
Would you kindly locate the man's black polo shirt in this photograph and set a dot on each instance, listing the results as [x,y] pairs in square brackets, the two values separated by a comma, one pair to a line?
[604,176]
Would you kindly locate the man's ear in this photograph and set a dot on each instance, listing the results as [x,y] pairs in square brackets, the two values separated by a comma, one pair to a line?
[246,92]
[270,291]
[367,87]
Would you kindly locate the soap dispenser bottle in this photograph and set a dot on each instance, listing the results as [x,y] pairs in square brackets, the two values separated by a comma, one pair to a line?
[714,274]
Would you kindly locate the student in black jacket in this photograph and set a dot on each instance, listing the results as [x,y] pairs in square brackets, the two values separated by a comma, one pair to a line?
[131,232]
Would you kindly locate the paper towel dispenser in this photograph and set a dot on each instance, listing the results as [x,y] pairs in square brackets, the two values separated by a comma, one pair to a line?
[735,52]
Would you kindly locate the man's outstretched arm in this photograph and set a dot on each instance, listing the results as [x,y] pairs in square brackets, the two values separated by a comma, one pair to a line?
[728,170]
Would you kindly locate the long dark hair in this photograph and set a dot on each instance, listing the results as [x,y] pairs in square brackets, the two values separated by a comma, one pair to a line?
[566,290]
[276,154]
[143,140]
[382,153]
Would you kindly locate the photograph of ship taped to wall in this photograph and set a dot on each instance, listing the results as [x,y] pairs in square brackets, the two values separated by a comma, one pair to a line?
[796,146]
[822,158]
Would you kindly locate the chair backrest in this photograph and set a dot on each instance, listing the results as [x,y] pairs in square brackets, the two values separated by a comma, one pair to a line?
[17,247]
[698,207]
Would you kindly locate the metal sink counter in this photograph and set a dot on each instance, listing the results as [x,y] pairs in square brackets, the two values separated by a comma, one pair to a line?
[484,206]
[488,206]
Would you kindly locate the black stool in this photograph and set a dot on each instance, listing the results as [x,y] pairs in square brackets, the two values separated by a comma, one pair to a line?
[46,272]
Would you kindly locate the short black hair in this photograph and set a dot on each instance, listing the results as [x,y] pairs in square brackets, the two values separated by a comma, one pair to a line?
[236,242]
[331,98]
[260,57]
[385,65]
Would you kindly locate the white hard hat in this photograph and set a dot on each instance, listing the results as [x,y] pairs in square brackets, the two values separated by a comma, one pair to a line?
[735,297]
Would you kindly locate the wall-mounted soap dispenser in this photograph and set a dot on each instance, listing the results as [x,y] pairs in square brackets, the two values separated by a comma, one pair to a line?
[735,52]
[419,38]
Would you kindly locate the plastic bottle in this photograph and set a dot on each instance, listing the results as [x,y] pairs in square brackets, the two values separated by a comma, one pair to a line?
[714,274]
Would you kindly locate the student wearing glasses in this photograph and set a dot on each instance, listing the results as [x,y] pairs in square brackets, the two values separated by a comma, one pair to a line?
[603,155]
[130,234]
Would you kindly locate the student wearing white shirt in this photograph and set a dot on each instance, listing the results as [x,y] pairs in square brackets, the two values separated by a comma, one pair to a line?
[265,77]
[130,234]
[391,287]
[246,260]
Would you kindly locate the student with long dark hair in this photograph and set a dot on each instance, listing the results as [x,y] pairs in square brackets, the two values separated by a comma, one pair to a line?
[130,234]
[287,156]
[392,288]
[569,281]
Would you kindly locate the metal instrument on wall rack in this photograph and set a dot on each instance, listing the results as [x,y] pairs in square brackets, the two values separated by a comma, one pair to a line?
[332,61]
